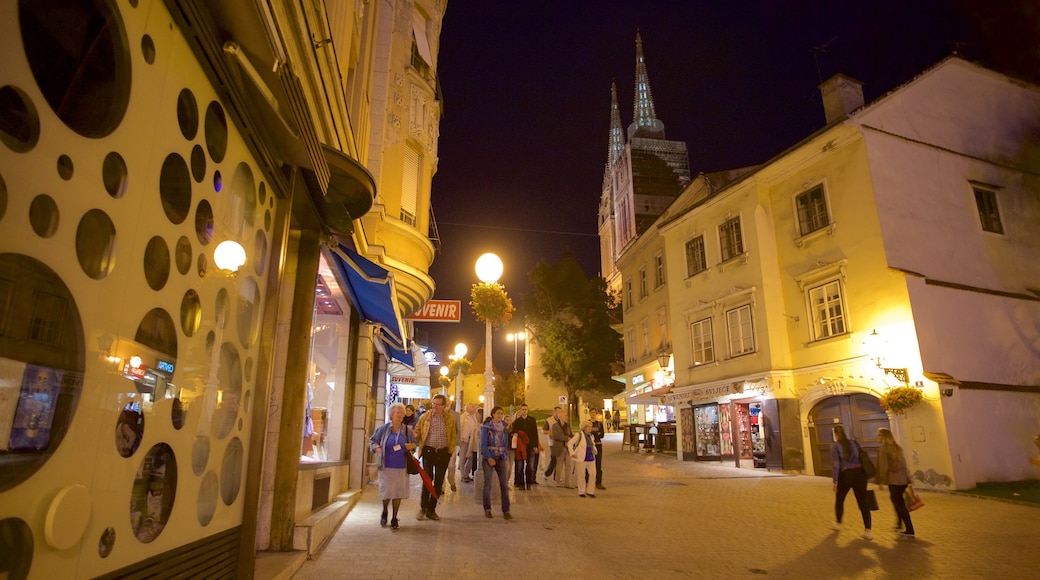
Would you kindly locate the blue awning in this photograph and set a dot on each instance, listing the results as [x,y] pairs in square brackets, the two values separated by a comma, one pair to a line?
[371,289]
[399,355]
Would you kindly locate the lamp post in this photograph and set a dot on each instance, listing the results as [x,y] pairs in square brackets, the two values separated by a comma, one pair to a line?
[460,351]
[444,373]
[515,338]
[489,270]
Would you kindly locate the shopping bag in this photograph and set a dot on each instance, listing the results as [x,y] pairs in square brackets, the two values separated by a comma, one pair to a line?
[913,501]
[871,500]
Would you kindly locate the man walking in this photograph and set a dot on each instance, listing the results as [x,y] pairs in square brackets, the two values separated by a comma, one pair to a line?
[561,433]
[436,435]
[468,430]
[597,437]
[524,478]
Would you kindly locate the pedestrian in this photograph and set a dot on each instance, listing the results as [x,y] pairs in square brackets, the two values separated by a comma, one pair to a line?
[469,426]
[583,450]
[436,436]
[597,437]
[409,416]
[617,420]
[893,472]
[392,442]
[526,428]
[561,431]
[452,462]
[848,474]
[494,448]
[550,469]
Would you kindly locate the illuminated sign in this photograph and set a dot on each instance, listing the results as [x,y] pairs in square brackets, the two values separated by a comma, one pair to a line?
[439,311]
[166,367]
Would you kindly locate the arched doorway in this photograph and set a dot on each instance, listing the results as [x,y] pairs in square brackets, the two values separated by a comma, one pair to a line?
[860,413]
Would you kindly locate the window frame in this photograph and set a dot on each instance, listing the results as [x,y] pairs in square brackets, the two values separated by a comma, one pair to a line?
[644,327]
[703,255]
[733,224]
[746,342]
[659,274]
[643,292]
[699,346]
[825,214]
[817,323]
[988,196]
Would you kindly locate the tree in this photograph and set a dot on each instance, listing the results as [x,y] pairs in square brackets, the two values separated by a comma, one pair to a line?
[510,390]
[569,316]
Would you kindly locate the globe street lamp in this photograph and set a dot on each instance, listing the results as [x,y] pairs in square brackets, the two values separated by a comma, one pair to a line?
[460,351]
[515,338]
[489,270]
[444,373]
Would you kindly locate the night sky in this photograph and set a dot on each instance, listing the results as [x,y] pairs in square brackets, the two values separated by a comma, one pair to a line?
[526,95]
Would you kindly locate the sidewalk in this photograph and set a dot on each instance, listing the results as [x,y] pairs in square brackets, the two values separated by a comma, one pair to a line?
[668,519]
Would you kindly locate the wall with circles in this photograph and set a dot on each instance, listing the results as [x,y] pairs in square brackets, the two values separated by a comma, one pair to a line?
[126,360]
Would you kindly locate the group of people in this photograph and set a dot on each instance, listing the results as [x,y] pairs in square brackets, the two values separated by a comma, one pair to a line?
[847,462]
[506,445]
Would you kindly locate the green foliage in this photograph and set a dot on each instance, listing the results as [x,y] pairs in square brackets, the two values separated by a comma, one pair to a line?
[509,386]
[459,366]
[569,316]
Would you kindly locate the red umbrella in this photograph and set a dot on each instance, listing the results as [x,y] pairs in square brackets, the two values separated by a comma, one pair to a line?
[426,481]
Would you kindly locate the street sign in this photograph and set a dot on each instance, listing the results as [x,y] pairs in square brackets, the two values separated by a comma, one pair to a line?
[438,311]
[563,399]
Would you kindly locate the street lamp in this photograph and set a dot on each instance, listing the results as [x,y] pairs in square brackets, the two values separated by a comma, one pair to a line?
[515,338]
[460,351]
[875,350]
[444,373]
[489,270]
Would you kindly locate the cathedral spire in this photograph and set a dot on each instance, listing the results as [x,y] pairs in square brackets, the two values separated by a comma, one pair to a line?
[644,121]
[617,138]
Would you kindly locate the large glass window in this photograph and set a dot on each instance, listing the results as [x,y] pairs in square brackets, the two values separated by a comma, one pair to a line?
[827,310]
[703,345]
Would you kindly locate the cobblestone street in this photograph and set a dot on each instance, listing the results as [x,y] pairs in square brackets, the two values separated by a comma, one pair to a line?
[660,518]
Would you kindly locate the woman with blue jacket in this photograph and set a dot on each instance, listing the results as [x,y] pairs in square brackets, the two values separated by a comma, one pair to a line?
[391,443]
[494,449]
[848,474]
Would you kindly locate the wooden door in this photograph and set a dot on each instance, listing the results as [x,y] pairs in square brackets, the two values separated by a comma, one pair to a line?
[860,414]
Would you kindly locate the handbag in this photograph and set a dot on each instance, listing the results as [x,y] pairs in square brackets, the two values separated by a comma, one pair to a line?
[871,500]
[913,501]
[412,464]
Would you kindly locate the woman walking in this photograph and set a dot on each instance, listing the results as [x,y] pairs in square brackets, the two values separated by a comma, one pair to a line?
[583,450]
[893,472]
[391,442]
[494,448]
[848,474]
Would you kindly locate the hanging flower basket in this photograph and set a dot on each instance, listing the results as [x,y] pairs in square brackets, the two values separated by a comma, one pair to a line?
[490,303]
[900,399]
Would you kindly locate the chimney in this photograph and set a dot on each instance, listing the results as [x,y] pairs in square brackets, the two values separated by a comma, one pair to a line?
[841,96]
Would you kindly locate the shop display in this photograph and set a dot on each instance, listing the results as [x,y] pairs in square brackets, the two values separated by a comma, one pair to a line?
[31,428]
[706,420]
[726,429]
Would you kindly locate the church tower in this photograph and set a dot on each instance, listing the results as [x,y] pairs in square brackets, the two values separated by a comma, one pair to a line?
[643,175]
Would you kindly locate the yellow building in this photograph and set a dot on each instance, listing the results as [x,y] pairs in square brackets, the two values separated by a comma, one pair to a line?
[889,249]
[154,408]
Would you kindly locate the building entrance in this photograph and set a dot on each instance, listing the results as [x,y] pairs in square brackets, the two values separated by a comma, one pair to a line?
[859,413]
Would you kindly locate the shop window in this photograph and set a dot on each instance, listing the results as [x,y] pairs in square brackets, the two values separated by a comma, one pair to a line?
[706,426]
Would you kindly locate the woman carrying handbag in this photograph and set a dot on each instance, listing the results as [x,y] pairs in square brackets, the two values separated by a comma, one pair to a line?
[893,472]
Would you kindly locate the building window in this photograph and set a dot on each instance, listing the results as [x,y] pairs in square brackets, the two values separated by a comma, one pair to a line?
[629,299]
[812,211]
[422,56]
[989,213]
[695,260]
[731,244]
[827,309]
[703,345]
[662,326]
[741,331]
[659,270]
[645,327]
[642,283]
[48,318]
[410,185]
[630,345]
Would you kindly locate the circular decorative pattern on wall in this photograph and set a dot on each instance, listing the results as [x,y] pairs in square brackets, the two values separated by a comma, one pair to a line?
[21,127]
[154,492]
[262,193]
[248,312]
[96,244]
[191,313]
[231,472]
[230,376]
[3,197]
[157,263]
[204,222]
[199,454]
[65,167]
[267,220]
[187,114]
[113,173]
[218,181]
[148,49]
[16,545]
[249,376]
[221,310]
[243,187]
[106,542]
[260,253]
[198,163]
[43,215]
[216,132]
[129,429]
[182,255]
[203,265]
[175,188]
[158,333]
[207,505]
[86,82]
[248,398]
